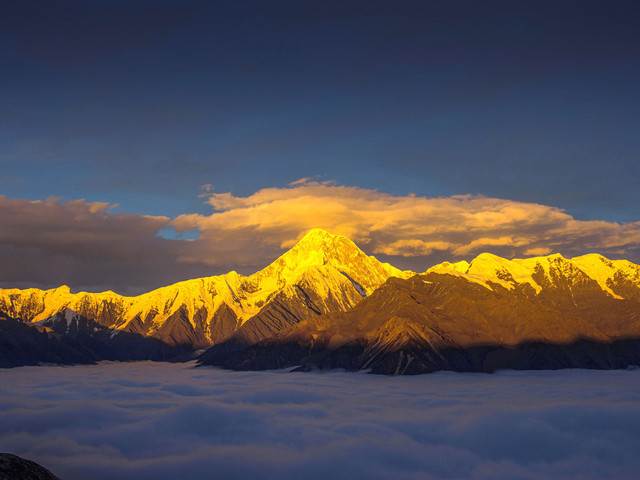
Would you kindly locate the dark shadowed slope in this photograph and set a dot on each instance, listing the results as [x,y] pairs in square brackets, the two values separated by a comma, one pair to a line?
[72,340]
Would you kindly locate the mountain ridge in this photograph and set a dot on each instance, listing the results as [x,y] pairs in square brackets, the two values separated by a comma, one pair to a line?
[439,321]
[209,309]
[325,294]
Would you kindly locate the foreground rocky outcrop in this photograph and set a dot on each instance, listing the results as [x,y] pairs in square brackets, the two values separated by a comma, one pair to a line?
[13,467]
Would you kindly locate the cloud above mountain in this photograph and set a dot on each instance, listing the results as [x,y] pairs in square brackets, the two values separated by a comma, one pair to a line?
[407,226]
[83,244]
[94,246]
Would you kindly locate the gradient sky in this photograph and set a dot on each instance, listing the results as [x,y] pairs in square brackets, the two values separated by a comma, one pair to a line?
[139,104]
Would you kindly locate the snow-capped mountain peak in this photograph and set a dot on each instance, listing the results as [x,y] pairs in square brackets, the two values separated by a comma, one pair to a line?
[488,269]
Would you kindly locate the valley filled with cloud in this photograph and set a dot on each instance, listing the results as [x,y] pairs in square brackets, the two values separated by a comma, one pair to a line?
[163,421]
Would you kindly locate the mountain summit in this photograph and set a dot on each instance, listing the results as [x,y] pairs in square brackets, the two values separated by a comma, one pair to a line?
[319,248]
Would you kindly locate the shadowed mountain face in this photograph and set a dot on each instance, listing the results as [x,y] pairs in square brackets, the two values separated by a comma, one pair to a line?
[324,303]
[74,339]
[548,313]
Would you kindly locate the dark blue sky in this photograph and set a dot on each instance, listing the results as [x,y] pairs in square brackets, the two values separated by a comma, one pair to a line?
[140,103]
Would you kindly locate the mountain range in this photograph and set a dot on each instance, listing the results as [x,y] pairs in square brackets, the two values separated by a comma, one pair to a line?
[326,304]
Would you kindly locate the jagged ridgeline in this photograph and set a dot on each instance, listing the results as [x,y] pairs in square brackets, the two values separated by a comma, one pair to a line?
[326,304]
[321,274]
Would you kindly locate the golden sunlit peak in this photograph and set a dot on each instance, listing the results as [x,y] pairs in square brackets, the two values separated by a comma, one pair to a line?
[316,247]
[318,235]
[318,239]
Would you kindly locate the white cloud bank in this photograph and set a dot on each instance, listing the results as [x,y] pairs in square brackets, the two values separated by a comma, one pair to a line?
[166,421]
[86,244]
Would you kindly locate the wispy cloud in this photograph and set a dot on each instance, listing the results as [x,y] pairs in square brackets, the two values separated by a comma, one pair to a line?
[159,421]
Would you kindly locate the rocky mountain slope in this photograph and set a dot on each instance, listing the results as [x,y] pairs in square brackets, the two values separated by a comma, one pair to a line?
[544,312]
[322,273]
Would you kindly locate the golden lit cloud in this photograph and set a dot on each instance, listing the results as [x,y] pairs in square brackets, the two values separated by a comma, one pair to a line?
[407,226]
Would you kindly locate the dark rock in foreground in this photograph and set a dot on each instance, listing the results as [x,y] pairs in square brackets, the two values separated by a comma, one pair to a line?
[13,467]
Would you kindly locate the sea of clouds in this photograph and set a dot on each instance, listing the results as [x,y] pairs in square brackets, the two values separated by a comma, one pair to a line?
[172,421]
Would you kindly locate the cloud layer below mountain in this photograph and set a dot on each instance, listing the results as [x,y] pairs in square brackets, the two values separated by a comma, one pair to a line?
[90,245]
[164,421]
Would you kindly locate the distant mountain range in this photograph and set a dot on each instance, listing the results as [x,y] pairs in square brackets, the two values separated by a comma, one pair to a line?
[326,304]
